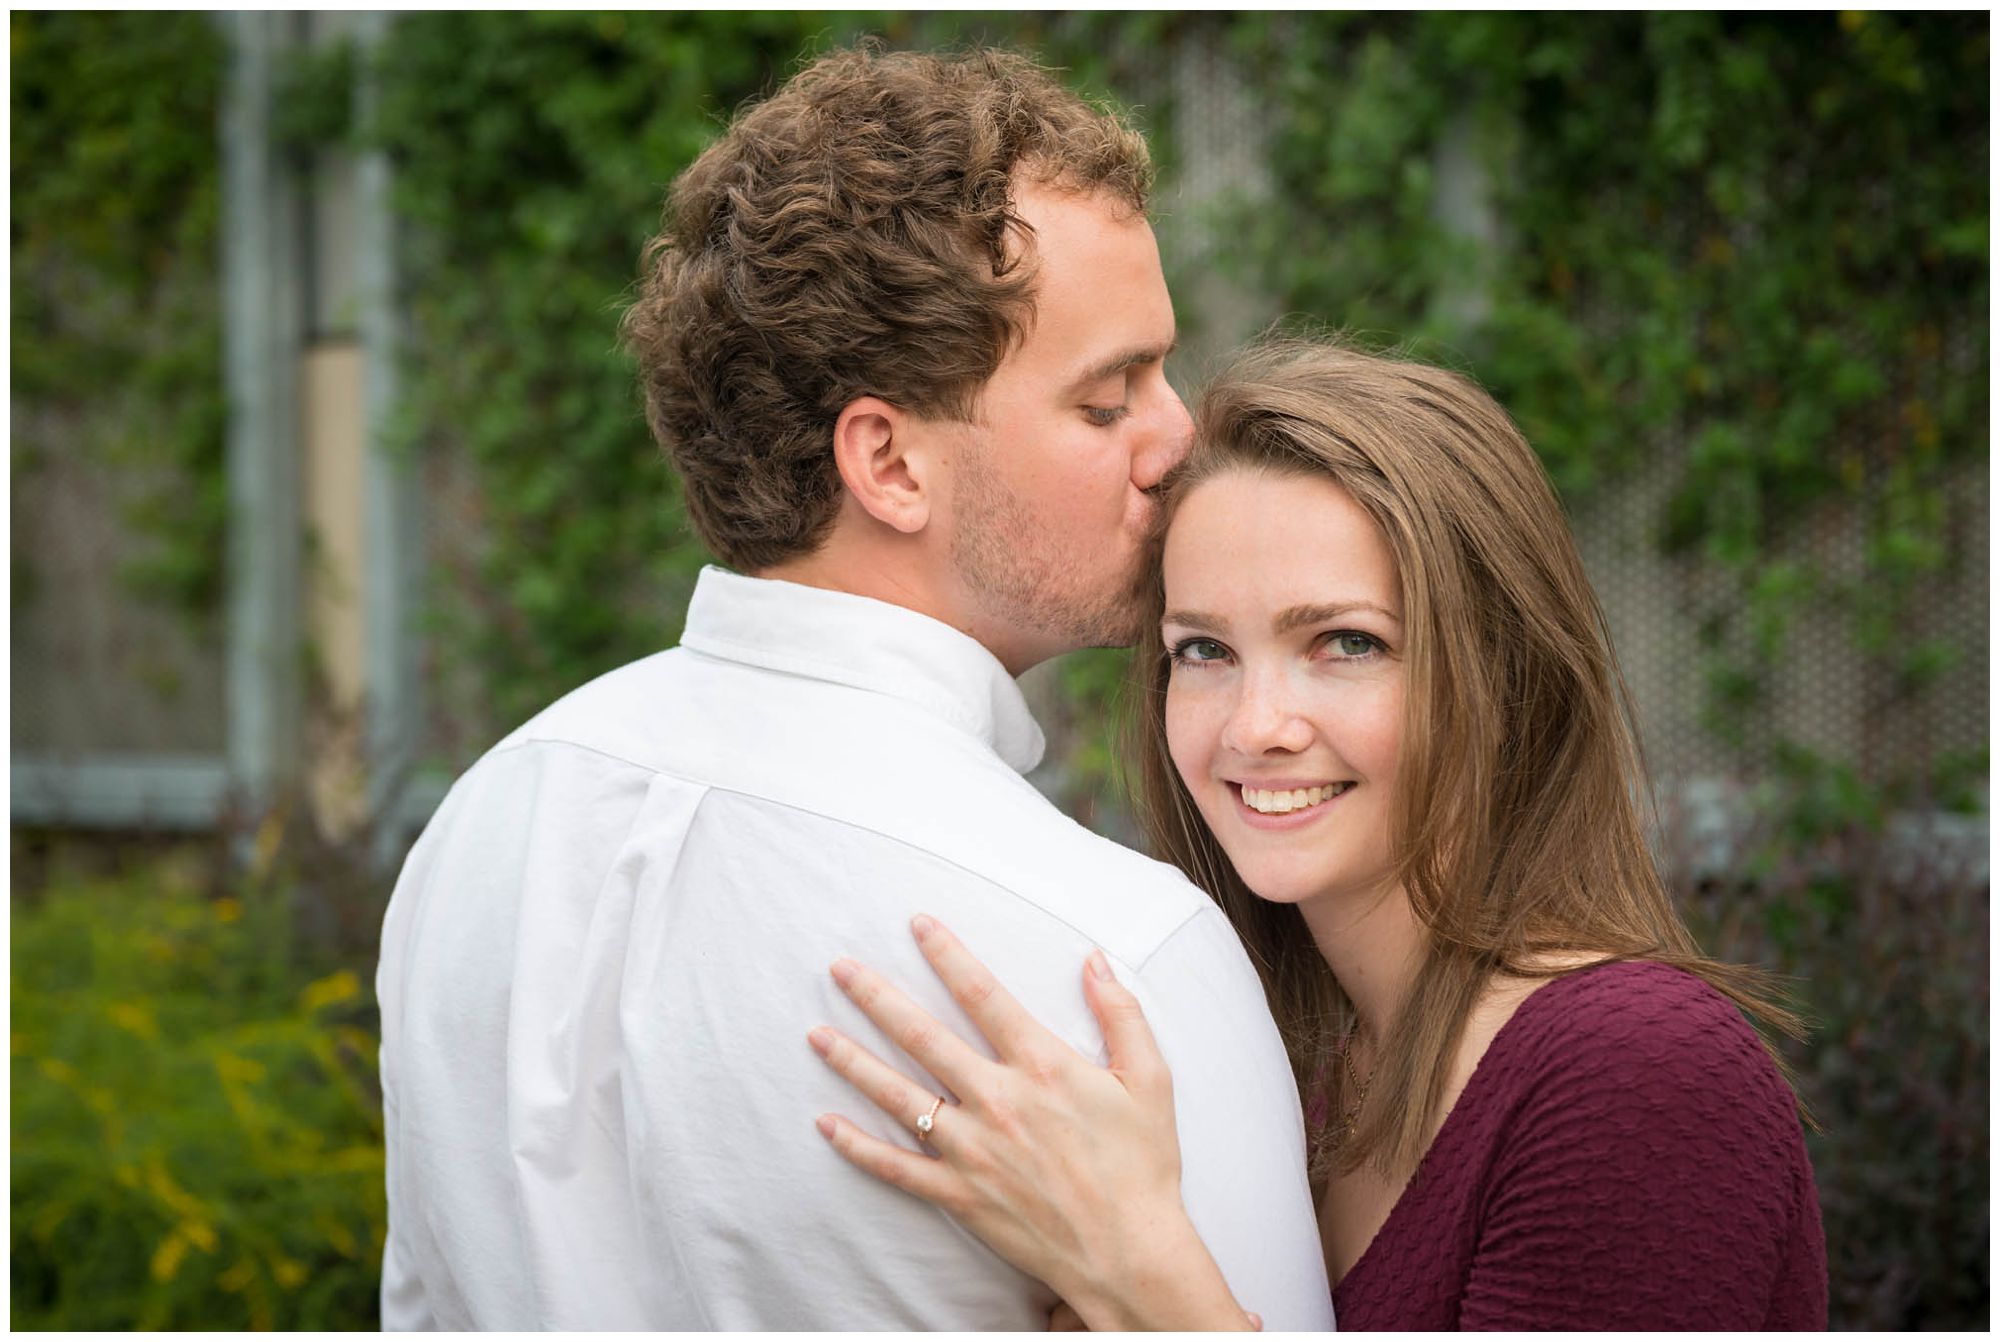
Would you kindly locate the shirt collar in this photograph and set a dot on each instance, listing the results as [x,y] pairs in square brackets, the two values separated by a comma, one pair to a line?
[868,644]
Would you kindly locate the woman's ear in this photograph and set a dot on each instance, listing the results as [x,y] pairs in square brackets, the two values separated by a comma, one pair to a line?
[881,452]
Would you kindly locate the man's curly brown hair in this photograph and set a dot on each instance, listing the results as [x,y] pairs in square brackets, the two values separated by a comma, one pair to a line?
[847,238]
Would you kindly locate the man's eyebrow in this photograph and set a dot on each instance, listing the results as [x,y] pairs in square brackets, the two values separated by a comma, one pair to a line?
[1119,362]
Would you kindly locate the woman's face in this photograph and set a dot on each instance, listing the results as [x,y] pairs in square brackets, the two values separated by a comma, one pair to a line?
[1284,630]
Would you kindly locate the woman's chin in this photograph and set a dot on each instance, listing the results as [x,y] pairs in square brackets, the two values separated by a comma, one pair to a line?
[1311,883]
[1280,883]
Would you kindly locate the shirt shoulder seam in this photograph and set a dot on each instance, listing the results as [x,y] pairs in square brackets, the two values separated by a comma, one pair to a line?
[511,747]
[1178,928]
[709,787]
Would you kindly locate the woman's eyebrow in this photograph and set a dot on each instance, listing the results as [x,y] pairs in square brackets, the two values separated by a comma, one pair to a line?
[1199,621]
[1292,617]
[1296,617]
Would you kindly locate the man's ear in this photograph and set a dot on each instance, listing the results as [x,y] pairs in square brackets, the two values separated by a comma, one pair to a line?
[879,449]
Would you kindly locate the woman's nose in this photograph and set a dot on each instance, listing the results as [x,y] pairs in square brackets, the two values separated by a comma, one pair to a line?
[1265,718]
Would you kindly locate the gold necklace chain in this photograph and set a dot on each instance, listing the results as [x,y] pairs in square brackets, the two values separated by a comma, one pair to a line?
[1358,1087]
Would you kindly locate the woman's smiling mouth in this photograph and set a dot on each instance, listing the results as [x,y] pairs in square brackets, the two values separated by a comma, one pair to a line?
[1265,806]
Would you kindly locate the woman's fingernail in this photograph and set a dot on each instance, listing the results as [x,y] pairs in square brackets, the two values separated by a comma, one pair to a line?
[923,925]
[1100,966]
[825,1125]
[844,971]
[821,1039]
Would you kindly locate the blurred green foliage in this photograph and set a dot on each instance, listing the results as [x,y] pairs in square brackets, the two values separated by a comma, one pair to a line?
[532,156]
[1760,235]
[1763,235]
[532,152]
[197,1130]
[117,332]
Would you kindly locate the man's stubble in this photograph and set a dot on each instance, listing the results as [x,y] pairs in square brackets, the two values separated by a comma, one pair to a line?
[1020,571]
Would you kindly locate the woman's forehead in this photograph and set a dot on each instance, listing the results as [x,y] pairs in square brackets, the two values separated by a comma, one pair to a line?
[1250,540]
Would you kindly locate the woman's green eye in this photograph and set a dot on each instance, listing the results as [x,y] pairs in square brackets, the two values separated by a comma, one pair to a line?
[1351,644]
[1197,650]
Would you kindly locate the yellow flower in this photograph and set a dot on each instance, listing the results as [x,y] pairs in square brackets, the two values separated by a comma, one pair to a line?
[353,1160]
[228,910]
[136,1017]
[167,1258]
[185,1204]
[337,1235]
[334,988]
[231,1067]
[288,1271]
[238,1276]
[48,1220]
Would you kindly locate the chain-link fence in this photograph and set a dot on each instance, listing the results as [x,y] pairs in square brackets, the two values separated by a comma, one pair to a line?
[102,673]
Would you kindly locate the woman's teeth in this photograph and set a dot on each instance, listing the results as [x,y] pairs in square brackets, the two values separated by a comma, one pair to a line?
[1278,803]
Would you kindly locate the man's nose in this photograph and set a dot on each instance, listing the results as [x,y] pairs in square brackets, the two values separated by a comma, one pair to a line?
[1265,718]
[1168,442]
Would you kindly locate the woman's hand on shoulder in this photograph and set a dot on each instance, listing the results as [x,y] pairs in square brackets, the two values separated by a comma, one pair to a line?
[1063,1319]
[1068,1170]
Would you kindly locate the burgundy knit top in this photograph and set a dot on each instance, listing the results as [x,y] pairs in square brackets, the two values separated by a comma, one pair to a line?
[1624,1156]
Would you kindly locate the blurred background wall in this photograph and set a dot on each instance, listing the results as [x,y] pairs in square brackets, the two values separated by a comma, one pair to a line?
[327,471]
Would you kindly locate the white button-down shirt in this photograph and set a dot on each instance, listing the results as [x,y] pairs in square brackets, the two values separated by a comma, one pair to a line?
[603,955]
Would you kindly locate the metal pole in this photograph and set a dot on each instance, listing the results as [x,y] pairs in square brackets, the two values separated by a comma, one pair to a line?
[261,306]
[391,483]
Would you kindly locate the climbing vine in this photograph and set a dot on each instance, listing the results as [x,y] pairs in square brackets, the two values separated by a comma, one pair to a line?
[117,343]
[532,155]
[1754,246]
[1763,236]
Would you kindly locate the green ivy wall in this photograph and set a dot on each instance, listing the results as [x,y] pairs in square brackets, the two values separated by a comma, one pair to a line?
[1762,238]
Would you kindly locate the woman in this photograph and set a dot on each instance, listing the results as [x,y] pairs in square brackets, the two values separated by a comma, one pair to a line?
[1382,725]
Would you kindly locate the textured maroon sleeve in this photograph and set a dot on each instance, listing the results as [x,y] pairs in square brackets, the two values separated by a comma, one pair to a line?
[1651,1178]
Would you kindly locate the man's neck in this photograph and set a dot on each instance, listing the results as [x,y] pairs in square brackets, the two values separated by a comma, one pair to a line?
[883,582]
[902,576]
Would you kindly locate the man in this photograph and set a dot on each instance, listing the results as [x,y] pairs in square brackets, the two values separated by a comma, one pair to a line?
[904,338]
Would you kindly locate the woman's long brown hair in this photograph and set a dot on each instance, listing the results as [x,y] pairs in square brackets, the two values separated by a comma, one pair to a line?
[1521,796]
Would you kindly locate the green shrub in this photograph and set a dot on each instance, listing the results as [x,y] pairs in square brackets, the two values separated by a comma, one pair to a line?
[1884,937]
[197,1137]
